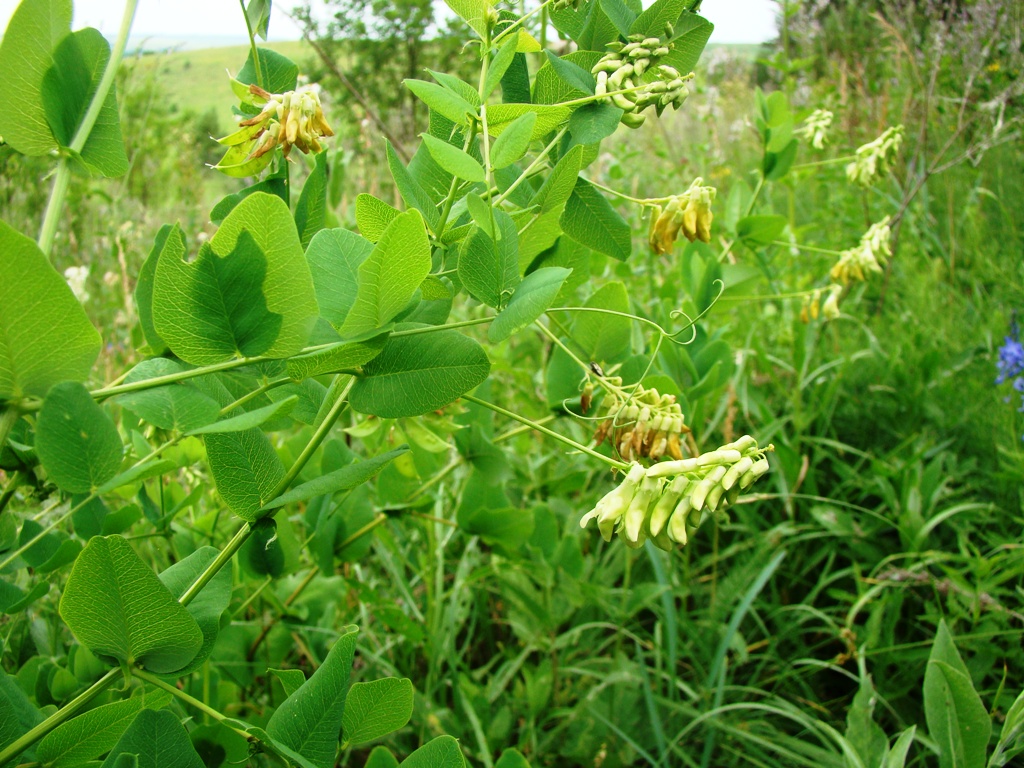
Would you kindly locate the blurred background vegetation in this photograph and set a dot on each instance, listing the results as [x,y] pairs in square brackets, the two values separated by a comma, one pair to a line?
[898,484]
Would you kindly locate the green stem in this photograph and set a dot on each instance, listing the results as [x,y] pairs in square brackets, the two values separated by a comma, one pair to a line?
[819,163]
[171,378]
[225,555]
[249,600]
[190,700]
[63,176]
[252,46]
[58,192]
[518,22]
[314,441]
[638,201]
[750,207]
[589,99]
[811,248]
[448,326]
[449,200]
[66,712]
[549,432]
[531,168]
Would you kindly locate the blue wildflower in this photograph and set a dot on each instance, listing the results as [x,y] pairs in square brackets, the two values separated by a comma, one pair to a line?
[1011,359]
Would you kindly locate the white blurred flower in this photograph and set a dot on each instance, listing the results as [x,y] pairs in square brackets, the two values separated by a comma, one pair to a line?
[875,157]
[815,128]
[77,277]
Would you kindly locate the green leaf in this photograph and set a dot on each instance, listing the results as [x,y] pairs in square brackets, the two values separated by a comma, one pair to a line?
[490,270]
[334,257]
[506,529]
[79,61]
[777,164]
[499,65]
[144,293]
[137,474]
[389,277]
[250,419]
[45,335]
[444,101]
[897,757]
[575,76]
[604,337]
[501,116]
[473,12]
[409,188]
[26,55]
[590,220]
[280,74]
[458,86]
[18,714]
[88,736]
[441,752]
[532,298]
[311,210]
[249,292]
[756,231]
[291,679]
[558,186]
[551,88]
[381,757]
[309,720]
[373,216]
[14,601]
[593,122]
[344,479]
[453,160]
[651,23]
[274,184]
[692,35]
[158,740]
[118,608]
[178,406]
[376,709]
[258,15]
[76,440]
[262,552]
[419,373]
[208,606]
[957,719]
[343,356]
[246,470]
[512,758]
[513,141]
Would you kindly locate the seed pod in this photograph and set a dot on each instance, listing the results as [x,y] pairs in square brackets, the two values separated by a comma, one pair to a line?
[736,471]
[705,486]
[633,521]
[677,523]
[667,503]
[714,497]
[670,468]
[726,456]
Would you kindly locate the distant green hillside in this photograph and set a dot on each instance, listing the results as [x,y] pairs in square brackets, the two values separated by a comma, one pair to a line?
[197,80]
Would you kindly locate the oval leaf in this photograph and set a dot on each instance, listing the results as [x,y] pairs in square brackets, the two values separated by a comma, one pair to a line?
[45,335]
[76,441]
[118,608]
[533,297]
[420,373]
[376,709]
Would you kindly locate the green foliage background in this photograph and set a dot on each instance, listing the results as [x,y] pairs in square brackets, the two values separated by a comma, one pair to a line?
[875,572]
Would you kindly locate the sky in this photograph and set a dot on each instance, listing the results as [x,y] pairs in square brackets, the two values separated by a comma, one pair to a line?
[736,21]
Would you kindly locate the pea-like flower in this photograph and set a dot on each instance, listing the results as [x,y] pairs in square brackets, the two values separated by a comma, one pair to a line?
[868,256]
[286,120]
[815,128]
[669,501]
[645,424]
[688,213]
[876,157]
